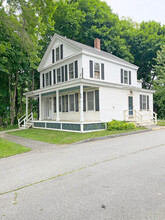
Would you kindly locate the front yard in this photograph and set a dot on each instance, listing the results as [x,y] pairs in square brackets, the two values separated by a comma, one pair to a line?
[62,137]
[161,122]
[8,148]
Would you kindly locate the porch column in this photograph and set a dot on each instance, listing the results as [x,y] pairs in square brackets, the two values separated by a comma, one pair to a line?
[81,104]
[40,108]
[57,106]
[26,106]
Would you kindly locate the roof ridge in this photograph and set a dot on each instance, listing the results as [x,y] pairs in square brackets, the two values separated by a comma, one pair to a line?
[94,50]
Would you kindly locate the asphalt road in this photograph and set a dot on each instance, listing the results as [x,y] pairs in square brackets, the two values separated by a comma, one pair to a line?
[120,178]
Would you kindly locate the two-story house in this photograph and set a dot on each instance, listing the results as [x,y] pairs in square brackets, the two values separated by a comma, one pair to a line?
[82,87]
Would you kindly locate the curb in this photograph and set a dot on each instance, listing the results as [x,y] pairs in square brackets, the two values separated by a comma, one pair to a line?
[112,136]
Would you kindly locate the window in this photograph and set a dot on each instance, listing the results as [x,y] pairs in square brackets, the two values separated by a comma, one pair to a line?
[57,54]
[144,102]
[97,71]
[90,101]
[125,76]
[71,72]
[71,102]
[58,75]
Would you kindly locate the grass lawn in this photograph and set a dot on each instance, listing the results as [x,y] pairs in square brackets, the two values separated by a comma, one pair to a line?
[161,122]
[62,137]
[8,148]
[9,127]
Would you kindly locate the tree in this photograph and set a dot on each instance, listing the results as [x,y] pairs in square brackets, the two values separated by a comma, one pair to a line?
[159,83]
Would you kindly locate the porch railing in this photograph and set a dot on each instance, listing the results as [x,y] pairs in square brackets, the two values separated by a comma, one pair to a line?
[133,115]
[25,119]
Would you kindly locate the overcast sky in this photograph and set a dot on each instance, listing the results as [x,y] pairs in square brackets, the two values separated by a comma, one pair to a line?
[139,10]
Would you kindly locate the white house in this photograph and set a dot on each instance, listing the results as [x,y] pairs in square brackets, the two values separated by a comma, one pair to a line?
[82,87]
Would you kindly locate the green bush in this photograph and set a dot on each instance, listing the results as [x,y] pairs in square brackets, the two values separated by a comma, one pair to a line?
[120,125]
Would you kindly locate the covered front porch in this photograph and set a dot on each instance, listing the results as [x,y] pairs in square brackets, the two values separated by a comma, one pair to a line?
[75,108]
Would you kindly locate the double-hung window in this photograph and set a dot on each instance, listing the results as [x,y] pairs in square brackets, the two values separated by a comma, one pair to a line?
[47,79]
[71,102]
[97,71]
[90,101]
[144,102]
[125,76]
[71,71]
[57,53]
[58,75]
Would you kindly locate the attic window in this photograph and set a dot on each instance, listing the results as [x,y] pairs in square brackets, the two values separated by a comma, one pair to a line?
[59,52]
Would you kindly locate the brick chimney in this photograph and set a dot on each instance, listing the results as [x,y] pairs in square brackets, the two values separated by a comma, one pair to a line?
[97,43]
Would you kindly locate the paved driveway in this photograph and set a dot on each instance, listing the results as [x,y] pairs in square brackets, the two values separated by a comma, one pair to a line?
[121,178]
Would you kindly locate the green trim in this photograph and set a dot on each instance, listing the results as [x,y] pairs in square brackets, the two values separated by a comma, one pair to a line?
[53,125]
[71,127]
[93,126]
[39,124]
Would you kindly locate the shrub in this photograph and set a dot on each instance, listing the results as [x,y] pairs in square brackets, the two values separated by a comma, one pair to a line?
[120,125]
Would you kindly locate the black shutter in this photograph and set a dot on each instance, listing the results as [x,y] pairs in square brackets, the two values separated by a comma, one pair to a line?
[84,101]
[121,75]
[63,103]
[66,103]
[129,77]
[66,73]
[54,76]
[76,68]
[102,71]
[91,68]
[43,80]
[50,78]
[53,56]
[147,102]
[60,104]
[55,104]
[61,48]
[97,100]
[141,107]
[76,102]
[62,73]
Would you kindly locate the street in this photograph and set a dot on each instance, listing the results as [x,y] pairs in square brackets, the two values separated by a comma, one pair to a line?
[120,178]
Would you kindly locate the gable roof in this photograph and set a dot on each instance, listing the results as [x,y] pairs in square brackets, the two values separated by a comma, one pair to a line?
[84,47]
[95,51]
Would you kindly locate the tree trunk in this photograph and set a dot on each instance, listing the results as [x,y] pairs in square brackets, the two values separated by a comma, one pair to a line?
[13,101]
[10,92]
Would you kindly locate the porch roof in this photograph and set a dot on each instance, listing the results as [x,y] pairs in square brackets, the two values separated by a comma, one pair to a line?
[69,85]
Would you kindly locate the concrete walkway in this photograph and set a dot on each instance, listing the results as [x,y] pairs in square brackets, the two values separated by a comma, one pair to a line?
[33,144]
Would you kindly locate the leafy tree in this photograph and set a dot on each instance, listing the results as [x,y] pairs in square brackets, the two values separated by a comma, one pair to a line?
[159,83]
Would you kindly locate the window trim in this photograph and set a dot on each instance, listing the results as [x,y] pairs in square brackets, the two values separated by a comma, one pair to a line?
[122,76]
[92,75]
[69,102]
[93,100]
[147,101]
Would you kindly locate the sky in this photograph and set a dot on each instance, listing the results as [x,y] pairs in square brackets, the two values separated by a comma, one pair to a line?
[139,10]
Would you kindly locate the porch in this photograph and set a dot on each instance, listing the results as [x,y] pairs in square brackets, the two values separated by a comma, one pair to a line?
[71,108]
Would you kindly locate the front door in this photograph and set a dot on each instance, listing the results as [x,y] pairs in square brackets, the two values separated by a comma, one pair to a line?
[130,105]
